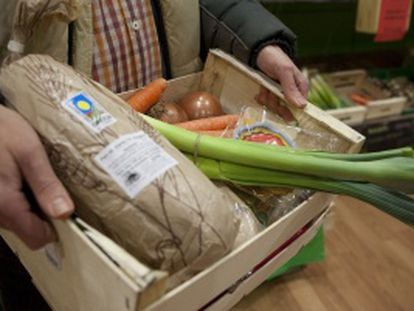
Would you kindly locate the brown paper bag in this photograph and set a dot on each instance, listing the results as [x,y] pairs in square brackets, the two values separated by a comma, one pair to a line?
[126,179]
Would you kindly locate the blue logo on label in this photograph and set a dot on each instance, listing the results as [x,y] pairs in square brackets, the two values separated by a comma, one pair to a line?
[84,105]
[87,110]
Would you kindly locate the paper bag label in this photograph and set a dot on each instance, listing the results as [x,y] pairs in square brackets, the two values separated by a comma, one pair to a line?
[134,161]
[88,111]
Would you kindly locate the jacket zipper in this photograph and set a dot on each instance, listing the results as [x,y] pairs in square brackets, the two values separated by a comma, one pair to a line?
[71,31]
[162,38]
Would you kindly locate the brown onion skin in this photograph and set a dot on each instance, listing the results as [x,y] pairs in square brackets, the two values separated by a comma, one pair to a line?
[200,105]
[169,113]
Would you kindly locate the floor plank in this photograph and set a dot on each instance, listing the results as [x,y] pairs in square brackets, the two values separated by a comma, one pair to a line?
[369,266]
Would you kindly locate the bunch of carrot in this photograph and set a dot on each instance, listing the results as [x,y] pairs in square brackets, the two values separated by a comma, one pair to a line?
[145,98]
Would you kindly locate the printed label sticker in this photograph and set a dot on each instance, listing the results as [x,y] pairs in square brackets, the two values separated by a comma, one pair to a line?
[88,111]
[134,161]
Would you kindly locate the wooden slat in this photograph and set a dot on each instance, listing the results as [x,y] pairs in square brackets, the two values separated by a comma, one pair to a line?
[83,269]
[75,274]
[258,277]
[231,268]
[349,115]
[368,266]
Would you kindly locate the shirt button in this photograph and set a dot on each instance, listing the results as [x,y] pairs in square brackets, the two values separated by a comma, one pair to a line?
[136,25]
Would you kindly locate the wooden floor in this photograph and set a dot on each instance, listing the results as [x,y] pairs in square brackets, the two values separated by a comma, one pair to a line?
[369,266]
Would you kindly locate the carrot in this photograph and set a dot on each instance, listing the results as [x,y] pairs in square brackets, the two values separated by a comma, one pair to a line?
[211,123]
[143,99]
[359,99]
[218,133]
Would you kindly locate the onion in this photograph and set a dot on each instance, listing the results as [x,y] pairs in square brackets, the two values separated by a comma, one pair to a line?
[168,112]
[200,105]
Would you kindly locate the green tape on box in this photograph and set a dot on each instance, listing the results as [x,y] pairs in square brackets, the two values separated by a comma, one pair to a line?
[312,252]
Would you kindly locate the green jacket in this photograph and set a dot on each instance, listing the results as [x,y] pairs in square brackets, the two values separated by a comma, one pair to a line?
[186,28]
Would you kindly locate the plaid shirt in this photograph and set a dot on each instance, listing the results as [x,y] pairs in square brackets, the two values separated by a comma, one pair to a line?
[126,48]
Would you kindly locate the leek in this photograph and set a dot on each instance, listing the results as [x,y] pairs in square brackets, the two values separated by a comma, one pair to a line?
[322,95]
[393,203]
[369,156]
[396,173]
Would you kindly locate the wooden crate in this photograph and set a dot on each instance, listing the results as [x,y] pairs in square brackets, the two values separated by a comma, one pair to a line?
[353,115]
[355,81]
[87,271]
[350,115]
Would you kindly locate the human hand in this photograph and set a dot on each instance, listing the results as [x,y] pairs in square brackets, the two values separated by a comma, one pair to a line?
[275,104]
[278,66]
[23,158]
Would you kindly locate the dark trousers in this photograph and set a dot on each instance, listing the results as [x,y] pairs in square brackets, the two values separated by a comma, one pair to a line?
[17,292]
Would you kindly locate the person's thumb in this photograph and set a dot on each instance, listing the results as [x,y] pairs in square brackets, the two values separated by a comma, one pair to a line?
[50,194]
[18,217]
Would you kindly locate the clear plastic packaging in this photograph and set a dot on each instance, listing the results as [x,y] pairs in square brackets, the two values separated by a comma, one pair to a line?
[262,126]
[249,225]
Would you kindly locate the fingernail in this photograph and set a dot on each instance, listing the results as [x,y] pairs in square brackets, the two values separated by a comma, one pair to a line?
[59,207]
[302,103]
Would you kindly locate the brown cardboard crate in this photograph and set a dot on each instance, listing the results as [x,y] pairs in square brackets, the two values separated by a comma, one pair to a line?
[356,81]
[87,271]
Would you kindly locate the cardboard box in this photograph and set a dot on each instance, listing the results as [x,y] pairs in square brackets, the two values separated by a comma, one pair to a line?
[87,271]
[356,81]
